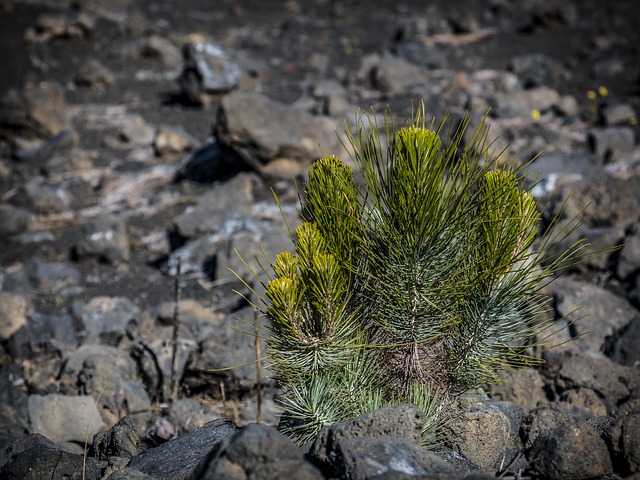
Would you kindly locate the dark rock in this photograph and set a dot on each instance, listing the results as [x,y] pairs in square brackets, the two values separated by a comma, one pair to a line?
[361,458]
[34,457]
[64,418]
[259,452]
[611,143]
[399,421]
[259,130]
[625,441]
[94,74]
[207,164]
[597,372]
[208,71]
[551,165]
[549,13]
[123,440]
[182,457]
[105,237]
[601,312]
[622,346]
[581,403]
[13,220]
[570,452]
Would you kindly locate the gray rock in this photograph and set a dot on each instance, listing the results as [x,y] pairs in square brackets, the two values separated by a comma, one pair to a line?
[208,70]
[618,114]
[222,347]
[155,356]
[106,315]
[38,152]
[537,69]
[52,276]
[522,103]
[162,50]
[622,346]
[524,387]
[109,374]
[259,452]
[64,418]
[225,201]
[105,237]
[259,130]
[570,452]
[625,439]
[596,310]
[492,426]
[64,24]
[595,371]
[132,131]
[611,143]
[541,420]
[629,256]
[581,403]
[183,457]
[608,68]
[123,440]
[551,13]
[172,139]
[38,110]
[187,414]
[398,421]
[551,165]
[614,200]
[94,74]
[117,364]
[13,313]
[35,457]
[330,98]
[48,332]
[361,458]
[13,220]
[40,197]
[395,75]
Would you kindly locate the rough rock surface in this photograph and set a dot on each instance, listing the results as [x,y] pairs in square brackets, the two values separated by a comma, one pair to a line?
[137,138]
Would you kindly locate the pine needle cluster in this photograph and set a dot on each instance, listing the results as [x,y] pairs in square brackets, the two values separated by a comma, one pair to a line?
[415,285]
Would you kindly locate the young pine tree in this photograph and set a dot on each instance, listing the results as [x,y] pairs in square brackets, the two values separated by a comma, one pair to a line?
[415,286]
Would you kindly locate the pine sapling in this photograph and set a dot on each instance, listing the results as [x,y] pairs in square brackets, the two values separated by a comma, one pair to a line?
[415,286]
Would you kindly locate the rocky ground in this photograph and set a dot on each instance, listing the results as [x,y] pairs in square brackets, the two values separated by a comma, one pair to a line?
[137,138]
